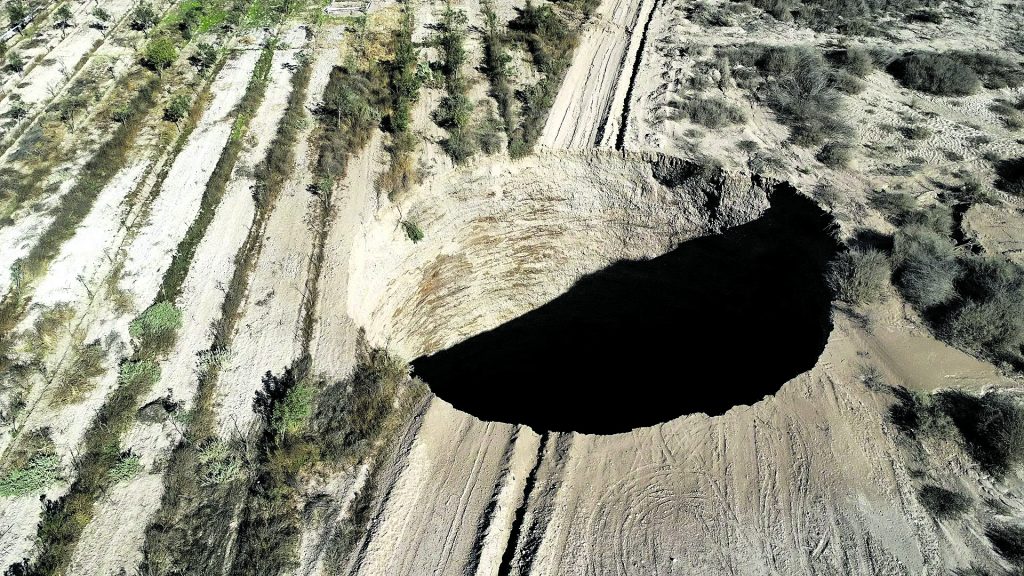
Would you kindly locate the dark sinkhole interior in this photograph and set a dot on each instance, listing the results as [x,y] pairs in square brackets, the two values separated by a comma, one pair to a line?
[719,321]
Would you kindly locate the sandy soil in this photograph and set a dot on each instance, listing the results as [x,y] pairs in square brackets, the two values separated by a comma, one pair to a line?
[200,303]
[68,423]
[999,229]
[588,109]
[268,337]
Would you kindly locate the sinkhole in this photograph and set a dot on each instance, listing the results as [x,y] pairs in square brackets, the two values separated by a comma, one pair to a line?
[719,321]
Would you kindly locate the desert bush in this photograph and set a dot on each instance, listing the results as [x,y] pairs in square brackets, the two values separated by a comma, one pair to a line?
[912,412]
[926,266]
[992,428]
[127,467]
[205,57]
[936,217]
[895,206]
[1010,176]
[490,132]
[993,71]
[79,377]
[801,91]
[856,61]
[928,15]
[1008,541]
[220,462]
[942,503]
[17,11]
[160,53]
[348,420]
[143,17]
[348,115]
[989,314]
[954,73]
[156,328]
[859,276]
[412,231]
[405,75]
[456,109]
[41,471]
[835,154]
[63,19]
[178,108]
[712,112]
[916,132]
[847,83]
[293,412]
[101,15]
[15,62]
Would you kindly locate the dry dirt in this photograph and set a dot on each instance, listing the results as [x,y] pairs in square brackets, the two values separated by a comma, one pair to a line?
[814,479]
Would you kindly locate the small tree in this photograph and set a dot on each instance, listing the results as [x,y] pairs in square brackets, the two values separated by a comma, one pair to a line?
[177,109]
[15,62]
[205,56]
[64,19]
[101,15]
[160,53]
[17,11]
[144,17]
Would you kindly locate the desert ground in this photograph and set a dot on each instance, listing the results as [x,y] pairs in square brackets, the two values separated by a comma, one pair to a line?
[251,251]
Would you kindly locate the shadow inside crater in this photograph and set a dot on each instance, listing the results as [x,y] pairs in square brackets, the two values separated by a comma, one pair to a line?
[720,321]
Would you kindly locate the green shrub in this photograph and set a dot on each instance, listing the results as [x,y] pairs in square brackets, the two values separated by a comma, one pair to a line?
[914,413]
[101,15]
[926,266]
[712,112]
[491,135]
[219,463]
[942,503]
[991,426]
[993,71]
[293,412]
[204,57]
[412,230]
[938,218]
[156,328]
[847,83]
[456,109]
[17,11]
[143,17]
[835,154]
[142,373]
[127,467]
[551,41]
[1008,541]
[15,62]
[160,53]
[63,18]
[178,108]
[859,276]
[41,471]
[935,73]
[1010,174]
